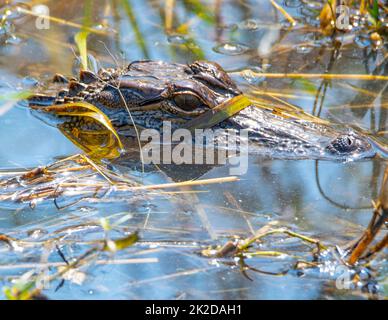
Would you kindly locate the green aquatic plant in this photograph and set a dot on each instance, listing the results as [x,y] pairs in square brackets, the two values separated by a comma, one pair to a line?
[374,16]
[127,6]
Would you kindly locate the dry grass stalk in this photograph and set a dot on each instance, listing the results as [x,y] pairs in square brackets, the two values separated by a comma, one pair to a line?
[380,217]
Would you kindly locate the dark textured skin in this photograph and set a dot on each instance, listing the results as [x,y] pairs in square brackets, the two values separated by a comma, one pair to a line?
[154,91]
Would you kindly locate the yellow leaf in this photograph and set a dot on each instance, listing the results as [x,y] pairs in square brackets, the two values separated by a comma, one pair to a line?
[122,243]
[327,17]
[100,142]
[220,113]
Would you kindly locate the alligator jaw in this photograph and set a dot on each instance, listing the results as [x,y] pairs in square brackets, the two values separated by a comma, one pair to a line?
[278,137]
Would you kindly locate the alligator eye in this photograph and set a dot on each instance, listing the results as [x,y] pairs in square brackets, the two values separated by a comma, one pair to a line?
[187,102]
[343,144]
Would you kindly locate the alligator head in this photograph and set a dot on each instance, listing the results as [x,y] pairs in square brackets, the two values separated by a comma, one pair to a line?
[148,93]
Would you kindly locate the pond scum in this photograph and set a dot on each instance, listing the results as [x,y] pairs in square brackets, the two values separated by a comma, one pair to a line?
[84,178]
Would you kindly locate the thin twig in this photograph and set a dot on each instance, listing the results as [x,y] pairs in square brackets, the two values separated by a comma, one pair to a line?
[284,12]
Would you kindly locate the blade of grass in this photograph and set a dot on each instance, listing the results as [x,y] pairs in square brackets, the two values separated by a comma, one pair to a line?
[200,10]
[187,183]
[219,113]
[169,14]
[127,6]
[81,41]
[81,37]
[64,22]
[284,12]
[286,110]
[326,76]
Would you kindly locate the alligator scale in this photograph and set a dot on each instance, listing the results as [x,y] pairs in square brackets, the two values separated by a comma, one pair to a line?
[148,93]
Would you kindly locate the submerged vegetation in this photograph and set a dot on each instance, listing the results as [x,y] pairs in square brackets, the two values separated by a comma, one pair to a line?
[74,217]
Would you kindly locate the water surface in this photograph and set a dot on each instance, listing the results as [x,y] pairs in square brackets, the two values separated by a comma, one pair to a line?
[326,200]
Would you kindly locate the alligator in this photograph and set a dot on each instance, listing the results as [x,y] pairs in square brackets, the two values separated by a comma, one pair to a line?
[147,93]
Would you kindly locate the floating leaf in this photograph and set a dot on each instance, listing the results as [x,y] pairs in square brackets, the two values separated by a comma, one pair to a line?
[88,128]
[120,244]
